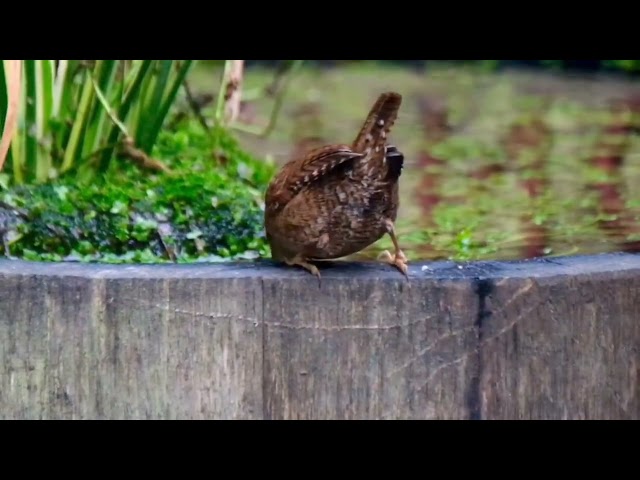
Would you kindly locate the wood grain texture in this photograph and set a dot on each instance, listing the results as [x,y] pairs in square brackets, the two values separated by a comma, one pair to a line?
[548,339]
[369,350]
[559,348]
[125,348]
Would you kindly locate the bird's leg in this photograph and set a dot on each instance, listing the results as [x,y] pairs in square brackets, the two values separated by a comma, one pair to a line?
[398,259]
[298,260]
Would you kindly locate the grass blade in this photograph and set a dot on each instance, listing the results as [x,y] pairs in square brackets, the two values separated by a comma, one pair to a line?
[121,76]
[218,115]
[16,152]
[31,118]
[4,93]
[106,74]
[67,97]
[44,109]
[74,146]
[131,94]
[136,125]
[45,91]
[10,103]
[107,108]
[59,85]
[150,112]
[163,110]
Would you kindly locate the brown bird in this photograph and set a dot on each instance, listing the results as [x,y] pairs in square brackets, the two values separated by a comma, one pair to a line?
[338,199]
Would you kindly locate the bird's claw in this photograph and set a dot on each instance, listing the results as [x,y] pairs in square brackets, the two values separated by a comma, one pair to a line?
[398,260]
[307,266]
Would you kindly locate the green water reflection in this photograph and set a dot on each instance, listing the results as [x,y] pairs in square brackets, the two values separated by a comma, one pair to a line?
[498,166]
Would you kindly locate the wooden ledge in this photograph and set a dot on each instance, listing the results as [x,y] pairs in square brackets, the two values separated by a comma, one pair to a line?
[614,263]
[552,338]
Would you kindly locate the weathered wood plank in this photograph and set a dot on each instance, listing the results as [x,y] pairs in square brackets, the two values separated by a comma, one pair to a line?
[373,348]
[182,348]
[562,348]
[24,372]
[557,338]
[74,347]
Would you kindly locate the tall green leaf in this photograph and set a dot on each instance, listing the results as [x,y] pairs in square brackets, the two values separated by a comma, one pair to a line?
[30,126]
[4,98]
[106,74]
[44,110]
[73,149]
[165,106]
[132,93]
[149,115]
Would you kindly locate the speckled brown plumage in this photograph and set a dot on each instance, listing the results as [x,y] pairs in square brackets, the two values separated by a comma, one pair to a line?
[338,199]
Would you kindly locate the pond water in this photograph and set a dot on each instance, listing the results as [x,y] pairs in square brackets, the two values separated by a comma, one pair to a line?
[497,165]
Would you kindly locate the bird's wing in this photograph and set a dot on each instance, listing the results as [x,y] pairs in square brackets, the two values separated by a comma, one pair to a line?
[299,174]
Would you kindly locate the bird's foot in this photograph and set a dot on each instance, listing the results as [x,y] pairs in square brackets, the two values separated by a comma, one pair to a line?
[398,260]
[301,262]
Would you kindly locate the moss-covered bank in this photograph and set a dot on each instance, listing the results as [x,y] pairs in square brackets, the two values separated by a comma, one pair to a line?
[209,207]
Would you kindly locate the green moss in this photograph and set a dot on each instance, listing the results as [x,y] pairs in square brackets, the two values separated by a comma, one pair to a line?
[209,208]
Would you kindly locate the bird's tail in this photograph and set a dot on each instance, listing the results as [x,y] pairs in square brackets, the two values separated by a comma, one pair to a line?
[378,123]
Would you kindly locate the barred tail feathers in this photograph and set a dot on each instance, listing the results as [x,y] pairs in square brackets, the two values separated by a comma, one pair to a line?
[378,123]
